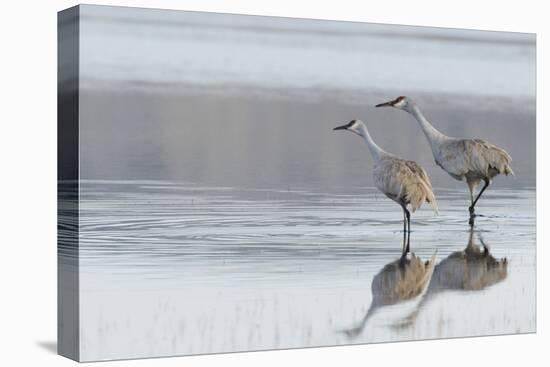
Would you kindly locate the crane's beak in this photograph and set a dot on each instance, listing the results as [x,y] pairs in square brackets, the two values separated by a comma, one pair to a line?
[343,127]
[386,104]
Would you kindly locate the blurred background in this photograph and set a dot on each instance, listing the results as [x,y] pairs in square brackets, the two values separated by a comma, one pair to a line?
[251,101]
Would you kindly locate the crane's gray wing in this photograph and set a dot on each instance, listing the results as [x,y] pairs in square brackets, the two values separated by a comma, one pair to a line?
[461,157]
[406,180]
[453,158]
[489,158]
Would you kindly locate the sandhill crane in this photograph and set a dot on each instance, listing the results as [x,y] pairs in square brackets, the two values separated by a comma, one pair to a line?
[473,159]
[405,182]
[472,269]
[399,281]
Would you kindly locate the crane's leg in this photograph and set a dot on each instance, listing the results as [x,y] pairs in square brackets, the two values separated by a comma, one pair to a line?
[404,247]
[472,185]
[472,208]
[403,258]
[408,215]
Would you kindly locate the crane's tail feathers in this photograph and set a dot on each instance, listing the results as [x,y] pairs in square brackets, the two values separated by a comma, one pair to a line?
[421,193]
[434,206]
[492,157]
[431,199]
[508,171]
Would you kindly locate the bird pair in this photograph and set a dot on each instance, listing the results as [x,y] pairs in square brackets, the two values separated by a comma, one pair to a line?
[408,184]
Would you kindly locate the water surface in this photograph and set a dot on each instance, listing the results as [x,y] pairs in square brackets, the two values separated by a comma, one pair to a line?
[177,268]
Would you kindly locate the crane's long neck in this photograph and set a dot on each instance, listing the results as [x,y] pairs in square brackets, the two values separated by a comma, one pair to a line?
[375,150]
[435,137]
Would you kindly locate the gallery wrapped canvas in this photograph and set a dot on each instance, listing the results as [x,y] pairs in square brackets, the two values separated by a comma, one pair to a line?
[239,183]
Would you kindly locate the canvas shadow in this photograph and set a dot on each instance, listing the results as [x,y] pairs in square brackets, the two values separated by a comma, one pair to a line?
[48,345]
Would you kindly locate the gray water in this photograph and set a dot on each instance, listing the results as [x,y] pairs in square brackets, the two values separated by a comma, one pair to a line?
[177,268]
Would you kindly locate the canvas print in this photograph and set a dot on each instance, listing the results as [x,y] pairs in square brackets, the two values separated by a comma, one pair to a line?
[239,183]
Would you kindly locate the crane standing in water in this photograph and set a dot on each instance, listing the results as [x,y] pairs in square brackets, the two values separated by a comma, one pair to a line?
[405,182]
[473,159]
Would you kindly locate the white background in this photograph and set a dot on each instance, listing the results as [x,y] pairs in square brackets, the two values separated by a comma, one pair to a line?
[28,181]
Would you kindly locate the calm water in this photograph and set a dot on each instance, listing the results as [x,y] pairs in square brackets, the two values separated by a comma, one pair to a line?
[176,268]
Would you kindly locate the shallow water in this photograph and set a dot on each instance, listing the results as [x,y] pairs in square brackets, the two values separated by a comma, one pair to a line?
[176,268]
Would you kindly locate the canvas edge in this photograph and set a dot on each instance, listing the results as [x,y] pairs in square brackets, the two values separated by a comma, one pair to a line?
[68,303]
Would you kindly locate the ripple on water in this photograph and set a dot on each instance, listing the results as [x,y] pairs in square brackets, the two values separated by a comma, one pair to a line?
[216,254]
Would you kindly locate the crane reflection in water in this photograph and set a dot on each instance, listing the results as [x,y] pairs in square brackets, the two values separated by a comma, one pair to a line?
[400,280]
[472,269]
